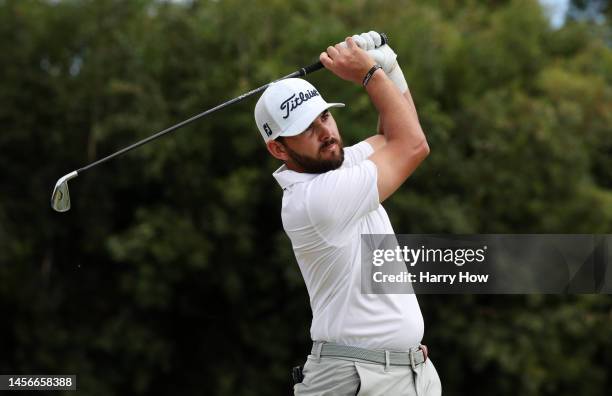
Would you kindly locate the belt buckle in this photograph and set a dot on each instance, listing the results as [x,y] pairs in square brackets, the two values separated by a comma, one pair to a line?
[412,362]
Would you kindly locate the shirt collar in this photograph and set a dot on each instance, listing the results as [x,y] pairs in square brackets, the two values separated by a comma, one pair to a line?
[286,177]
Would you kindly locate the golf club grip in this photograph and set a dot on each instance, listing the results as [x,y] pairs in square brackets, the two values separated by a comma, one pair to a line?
[318,65]
[311,68]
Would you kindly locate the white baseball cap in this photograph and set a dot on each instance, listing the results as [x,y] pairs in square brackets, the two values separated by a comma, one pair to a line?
[287,107]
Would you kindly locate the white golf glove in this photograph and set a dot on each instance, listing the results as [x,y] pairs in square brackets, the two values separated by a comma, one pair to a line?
[384,56]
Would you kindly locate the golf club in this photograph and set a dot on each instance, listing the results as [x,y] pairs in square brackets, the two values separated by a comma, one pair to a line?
[60,198]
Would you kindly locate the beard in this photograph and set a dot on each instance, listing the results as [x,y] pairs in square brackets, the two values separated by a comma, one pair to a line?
[318,164]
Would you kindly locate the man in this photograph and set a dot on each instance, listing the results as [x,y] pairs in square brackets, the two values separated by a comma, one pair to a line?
[366,343]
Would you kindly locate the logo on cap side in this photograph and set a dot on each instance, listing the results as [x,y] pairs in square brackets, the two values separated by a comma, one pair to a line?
[292,103]
[267,129]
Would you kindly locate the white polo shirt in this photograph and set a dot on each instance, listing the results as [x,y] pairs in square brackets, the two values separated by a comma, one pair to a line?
[324,215]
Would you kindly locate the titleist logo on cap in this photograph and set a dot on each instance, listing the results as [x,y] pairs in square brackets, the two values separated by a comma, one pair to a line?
[296,100]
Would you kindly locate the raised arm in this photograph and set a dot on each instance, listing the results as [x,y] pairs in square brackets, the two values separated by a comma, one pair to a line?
[379,140]
[405,144]
[372,43]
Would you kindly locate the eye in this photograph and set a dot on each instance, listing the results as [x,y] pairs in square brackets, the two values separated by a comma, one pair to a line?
[308,130]
[325,115]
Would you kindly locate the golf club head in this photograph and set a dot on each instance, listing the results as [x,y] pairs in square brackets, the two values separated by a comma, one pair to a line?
[60,199]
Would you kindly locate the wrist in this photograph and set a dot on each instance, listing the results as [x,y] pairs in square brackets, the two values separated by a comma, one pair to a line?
[370,74]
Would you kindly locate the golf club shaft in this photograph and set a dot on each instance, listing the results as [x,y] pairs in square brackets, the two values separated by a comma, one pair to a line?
[298,73]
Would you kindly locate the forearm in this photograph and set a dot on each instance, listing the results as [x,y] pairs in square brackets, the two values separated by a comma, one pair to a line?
[398,119]
[410,103]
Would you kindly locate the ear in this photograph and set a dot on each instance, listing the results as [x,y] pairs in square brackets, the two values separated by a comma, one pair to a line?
[277,150]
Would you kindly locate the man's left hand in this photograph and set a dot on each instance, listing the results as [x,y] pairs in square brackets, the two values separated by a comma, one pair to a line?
[383,55]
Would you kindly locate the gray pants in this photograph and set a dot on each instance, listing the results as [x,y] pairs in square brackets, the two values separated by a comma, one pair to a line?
[334,376]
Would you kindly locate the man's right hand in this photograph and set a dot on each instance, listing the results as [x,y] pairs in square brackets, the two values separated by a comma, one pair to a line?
[347,61]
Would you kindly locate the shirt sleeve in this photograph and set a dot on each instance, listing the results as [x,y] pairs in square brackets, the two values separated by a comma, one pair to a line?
[337,200]
[356,153]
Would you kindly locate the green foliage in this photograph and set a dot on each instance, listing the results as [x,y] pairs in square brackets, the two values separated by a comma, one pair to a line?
[172,273]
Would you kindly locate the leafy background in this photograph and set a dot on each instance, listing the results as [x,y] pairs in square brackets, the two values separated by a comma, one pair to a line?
[171,274]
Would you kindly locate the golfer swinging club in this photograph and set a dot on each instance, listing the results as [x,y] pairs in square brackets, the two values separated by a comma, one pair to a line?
[366,344]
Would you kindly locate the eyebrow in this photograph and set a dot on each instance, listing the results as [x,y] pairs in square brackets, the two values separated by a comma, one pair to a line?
[322,113]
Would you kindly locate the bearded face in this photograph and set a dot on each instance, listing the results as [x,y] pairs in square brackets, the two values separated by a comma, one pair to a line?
[329,157]
[318,149]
